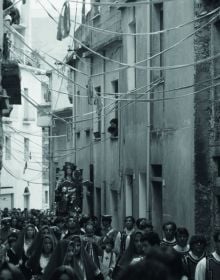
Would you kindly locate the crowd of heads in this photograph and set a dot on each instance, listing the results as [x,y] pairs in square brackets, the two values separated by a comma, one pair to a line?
[40,245]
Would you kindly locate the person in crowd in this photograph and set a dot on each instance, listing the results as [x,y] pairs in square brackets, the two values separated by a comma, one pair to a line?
[208,268]
[58,227]
[107,229]
[91,243]
[170,259]
[23,247]
[123,238]
[97,227]
[9,271]
[108,259]
[40,258]
[182,236]
[11,255]
[72,253]
[83,222]
[143,225]
[20,223]
[198,244]
[44,230]
[25,240]
[145,270]
[6,229]
[64,272]
[36,222]
[169,230]
[150,240]
[134,253]
[73,228]
[14,224]
[2,251]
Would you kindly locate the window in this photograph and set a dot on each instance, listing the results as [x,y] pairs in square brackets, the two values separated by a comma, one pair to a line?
[46,197]
[156,170]
[7,147]
[69,131]
[160,19]
[97,8]
[26,149]
[129,195]
[26,105]
[131,56]
[46,92]
[98,103]
[115,90]
[142,195]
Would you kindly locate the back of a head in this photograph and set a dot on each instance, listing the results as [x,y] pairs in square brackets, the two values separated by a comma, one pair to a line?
[64,270]
[145,270]
[14,270]
[170,258]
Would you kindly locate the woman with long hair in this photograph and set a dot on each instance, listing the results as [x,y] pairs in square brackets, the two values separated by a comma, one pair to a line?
[72,253]
[25,240]
[44,230]
[133,254]
[40,258]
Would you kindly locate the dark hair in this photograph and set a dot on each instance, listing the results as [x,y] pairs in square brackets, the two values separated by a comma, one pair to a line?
[64,269]
[197,238]
[15,271]
[12,237]
[170,258]
[109,240]
[140,220]
[169,223]
[216,235]
[129,217]
[182,231]
[145,270]
[152,238]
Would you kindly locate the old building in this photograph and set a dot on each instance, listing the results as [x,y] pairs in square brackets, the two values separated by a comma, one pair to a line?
[164,162]
[23,179]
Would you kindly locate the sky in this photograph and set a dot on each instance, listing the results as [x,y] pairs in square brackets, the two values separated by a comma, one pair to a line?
[44,29]
[38,10]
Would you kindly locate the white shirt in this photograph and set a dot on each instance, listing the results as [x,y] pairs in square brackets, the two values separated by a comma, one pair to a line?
[181,249]
[118,240]
[44,262]
[200,273]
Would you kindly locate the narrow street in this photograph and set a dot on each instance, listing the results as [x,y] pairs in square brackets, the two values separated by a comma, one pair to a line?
[109,140]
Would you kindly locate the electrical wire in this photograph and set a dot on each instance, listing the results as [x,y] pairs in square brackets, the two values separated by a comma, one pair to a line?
[141,33]
[134,92]
[117,4]
[135,65]
[17,178]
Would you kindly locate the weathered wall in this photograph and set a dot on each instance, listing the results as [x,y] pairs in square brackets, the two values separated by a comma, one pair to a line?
[19,128]
[206,44]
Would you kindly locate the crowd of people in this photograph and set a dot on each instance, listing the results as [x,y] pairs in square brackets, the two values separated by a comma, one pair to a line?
[41,245]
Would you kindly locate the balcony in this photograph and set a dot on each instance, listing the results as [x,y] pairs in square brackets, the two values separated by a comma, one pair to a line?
[108,19]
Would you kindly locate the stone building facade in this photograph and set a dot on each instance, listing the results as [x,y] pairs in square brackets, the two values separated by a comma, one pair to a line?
[164,162]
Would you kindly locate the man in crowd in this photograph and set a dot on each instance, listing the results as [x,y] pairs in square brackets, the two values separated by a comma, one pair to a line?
[209,267]
[169,230]
[123,238]
[107,230]
[182,236]
[197,251]
[73,228]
